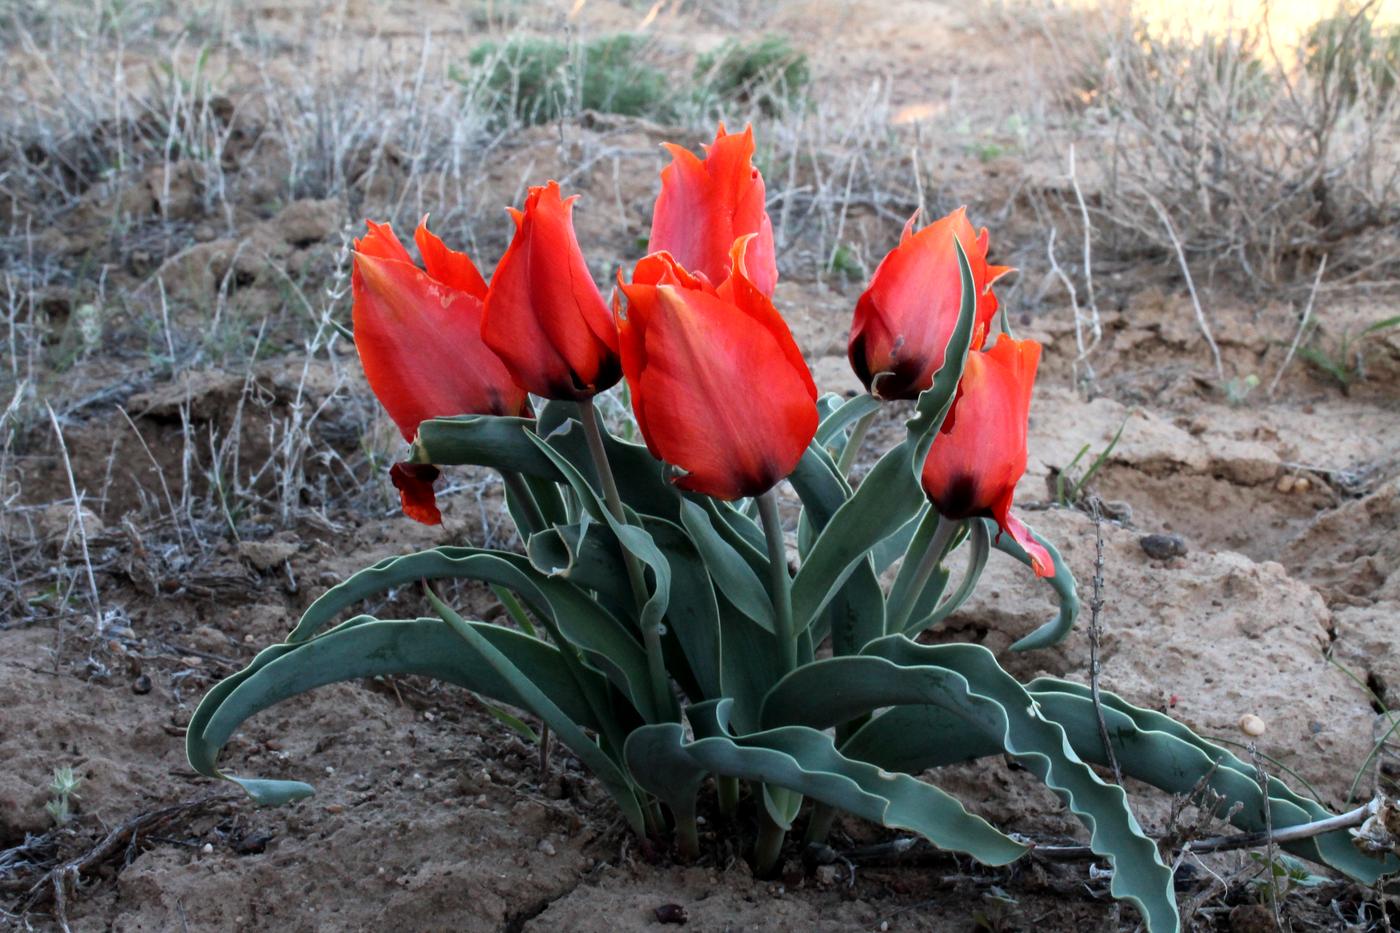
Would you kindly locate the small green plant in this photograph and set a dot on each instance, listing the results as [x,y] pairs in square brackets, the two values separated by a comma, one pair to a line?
[1352,52]
[1237,390]
[539,80]
[1068,491]
[768,73]
[1345,360]
[62,789]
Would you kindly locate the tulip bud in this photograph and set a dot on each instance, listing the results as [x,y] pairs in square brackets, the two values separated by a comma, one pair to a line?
[980,452]
[904,319]
[706,204]
[718,385]
[418,333]
[544,315]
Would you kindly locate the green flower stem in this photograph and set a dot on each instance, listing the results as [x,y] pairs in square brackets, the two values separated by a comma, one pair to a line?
[779,578]
[853,445]
[771,836]
[928,563]
[769,847]
[534,520]
[651,635]
[728,794]
[819,824]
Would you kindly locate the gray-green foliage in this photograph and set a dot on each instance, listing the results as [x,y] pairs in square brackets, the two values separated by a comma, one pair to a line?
[767,73]
[539,80]
[898,708]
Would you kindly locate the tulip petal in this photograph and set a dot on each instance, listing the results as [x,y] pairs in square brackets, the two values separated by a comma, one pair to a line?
[448,266]
[903,319]
[705,204]
[980,452]
[1041,561]
[545,317]
[420,344]
[414,481]
[718,386]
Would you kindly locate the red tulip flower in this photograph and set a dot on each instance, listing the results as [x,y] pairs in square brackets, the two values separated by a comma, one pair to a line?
[718,385]
[905,317]
[545,318]
[706,204]
[419,337]
[980,452]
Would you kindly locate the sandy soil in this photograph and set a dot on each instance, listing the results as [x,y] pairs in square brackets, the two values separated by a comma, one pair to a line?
[430,814]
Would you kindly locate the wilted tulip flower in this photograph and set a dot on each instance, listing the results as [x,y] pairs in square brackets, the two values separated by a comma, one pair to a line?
[980,452]
[545,318]
[718,385]
[418,334]
[904,318]
[706,204]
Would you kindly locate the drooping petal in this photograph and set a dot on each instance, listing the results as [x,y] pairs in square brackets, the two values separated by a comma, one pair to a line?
[1040,557]
[706,204]
[545,317]
[414,481]
[713,380]
[979,453]
[904,318]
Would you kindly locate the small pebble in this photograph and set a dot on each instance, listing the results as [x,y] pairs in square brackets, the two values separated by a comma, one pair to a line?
[1251,725]
[208,848]
[671,913]
[1286,483]
[141,685]
[1163,547]
[546,847]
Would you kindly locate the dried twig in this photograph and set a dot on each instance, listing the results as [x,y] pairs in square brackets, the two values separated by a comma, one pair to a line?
[1302,327]
[78,521]
[51,885]
[1095,633]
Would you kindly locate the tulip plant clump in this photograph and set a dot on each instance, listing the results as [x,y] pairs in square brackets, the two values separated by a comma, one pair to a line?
[661,631]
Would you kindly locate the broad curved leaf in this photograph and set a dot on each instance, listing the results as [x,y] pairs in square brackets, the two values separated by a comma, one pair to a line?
[367,647]
[966,681]
[807,762]
[566,610]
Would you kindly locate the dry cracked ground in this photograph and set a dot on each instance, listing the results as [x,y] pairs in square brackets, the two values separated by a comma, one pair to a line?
[222,486]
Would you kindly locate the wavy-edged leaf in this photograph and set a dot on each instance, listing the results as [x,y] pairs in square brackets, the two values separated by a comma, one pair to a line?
[966,681]
[806,761]
[834,423]
[641,478]
[1165,753]
[890,494]
[1058,628]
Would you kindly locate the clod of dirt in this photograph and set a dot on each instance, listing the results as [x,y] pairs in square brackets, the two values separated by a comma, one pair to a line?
[1163,547]
[267,555]
[304,222]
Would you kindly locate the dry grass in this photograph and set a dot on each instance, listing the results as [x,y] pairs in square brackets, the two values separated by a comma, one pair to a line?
[1254,160]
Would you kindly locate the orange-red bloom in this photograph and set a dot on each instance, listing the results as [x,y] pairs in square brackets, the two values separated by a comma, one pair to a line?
[419,337]
[706,204]
[544,315]
[718,385]
[905,317]
[980,452]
